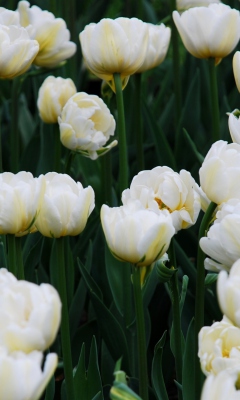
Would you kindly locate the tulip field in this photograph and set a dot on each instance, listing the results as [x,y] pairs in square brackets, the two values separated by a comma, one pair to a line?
[120,200]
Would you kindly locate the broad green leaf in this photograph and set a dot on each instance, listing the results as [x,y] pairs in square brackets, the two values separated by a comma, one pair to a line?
[188,367]
[184,291]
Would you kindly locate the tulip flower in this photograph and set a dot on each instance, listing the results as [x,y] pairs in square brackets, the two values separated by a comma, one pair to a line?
[135,234]
[222,243]
[209,32]
[114,46]
[158,43]
[222,386]
[65,206]
[221,169]
[9,17]
[228,289]
[50,32]
[162,188]
[52,96]
[86,124]
[234,126]
[183,5]
[219,347]
[19,202]
[29,314]
[21,375]
[17,51]
[236,69]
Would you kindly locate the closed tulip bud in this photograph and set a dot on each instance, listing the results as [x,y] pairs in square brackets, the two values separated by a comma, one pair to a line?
[183,5]
[158,43]
[234,126]
[86,124]
[136,235]
[222,243]
[114,46]
[209,32]
[222,386]
[228,289]
[19,202]
[221,169]
[236,69]
[29,314]
[162,188]
[52,96]
[50,32]
[17,51]
[65,206]
[25,378]
[219,347]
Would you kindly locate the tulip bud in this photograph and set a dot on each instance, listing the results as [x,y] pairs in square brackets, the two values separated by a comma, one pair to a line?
[136,235]
[209,32]
[29,314]
[228,289]
[50,32]
[17,51]
[25,379]
[52,96]
[114,46]
[186,4]
[65,206]
[86,124]
[236,69]
[234,126]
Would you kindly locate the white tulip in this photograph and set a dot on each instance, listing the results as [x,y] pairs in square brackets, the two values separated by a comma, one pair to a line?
[50,32]
[8,17]
[228,289]
[162,188]
[52,97]
[114,46]
[183,5]
[65,206]
[136,235]
[17,51]
[209,32]
[29,314]
[236,69]
[234,126]
[158,43]
[219,347]
[86,124]
[220,172]
[222,243]
[19,202]
[222,386]
[21,375]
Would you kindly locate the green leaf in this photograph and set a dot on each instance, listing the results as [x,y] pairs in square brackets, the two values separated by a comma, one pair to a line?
[188,368]
[110,328]
[32,255]
[50,390]
[210,279]
[184,291]
[157,375]
[87,381]
[149,287]
[193,147]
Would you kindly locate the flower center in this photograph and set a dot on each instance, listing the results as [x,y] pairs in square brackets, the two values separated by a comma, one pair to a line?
[161,205]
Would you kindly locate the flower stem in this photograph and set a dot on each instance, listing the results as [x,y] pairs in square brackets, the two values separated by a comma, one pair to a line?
[141,335]
[57,148]
[214,100]
[177,331]
[20,268]
[14,134]
[65,333]
[138,123]
[107,178]
[12,262]
[68,164]
[199,302]
[123,161]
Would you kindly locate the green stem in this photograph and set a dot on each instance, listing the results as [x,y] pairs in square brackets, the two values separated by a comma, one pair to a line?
[123,161]
[214,100]
[1,166]
[107,178]
[138,123]
[65,333]
[68,164]
[57,148]
[141,335]
[14,134]
[177,331]
[20,268]
[12,262]
[199,302]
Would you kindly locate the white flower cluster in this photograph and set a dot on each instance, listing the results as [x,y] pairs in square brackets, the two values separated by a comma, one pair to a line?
[30,316]
[31,35]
